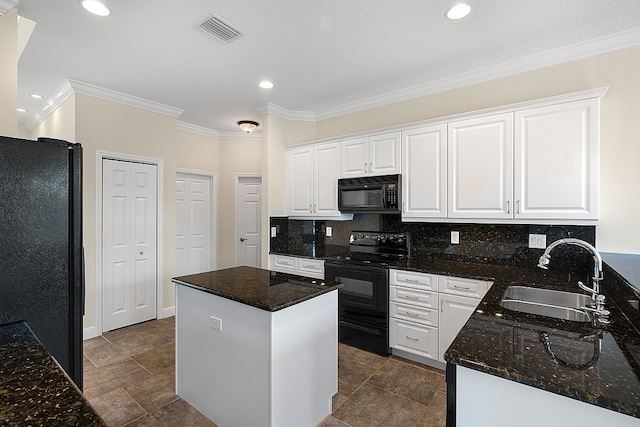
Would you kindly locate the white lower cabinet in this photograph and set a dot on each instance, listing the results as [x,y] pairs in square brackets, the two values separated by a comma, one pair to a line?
[294,265]
[427,311]
[454,312]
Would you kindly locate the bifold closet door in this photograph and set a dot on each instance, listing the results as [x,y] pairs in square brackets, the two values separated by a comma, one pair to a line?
[129,239]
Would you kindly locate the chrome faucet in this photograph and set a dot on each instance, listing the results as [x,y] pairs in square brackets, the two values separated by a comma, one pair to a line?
[597,298]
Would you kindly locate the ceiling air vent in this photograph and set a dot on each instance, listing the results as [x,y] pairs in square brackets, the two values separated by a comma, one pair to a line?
[220,29]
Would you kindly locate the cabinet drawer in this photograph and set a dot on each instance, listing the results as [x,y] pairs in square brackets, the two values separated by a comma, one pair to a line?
[284,262]
[465,287]
[428,282]
[413,313]
[413,296]
[311,265]
[414,338]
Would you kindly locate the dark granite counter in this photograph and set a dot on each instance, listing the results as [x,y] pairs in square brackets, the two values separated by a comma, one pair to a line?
[600,366]
[34,390]
[263,289]
[314,251]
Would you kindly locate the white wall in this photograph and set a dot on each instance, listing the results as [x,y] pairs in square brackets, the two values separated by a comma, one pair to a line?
[9,73]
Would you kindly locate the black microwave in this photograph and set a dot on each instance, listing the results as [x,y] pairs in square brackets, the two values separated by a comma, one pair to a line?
[370,194]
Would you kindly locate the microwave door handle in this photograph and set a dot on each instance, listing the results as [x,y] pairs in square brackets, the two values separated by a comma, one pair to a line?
[384,196]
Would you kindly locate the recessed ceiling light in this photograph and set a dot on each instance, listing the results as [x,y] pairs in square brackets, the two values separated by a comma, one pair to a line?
[35,95]
[458,11]
[96,7]
[265,84]
[21,110]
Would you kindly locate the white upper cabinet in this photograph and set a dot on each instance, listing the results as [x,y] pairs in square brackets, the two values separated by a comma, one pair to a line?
[424,177]
[370,156]
[326,171]
[312,180]
[480,167]
[556,161]
[300,181]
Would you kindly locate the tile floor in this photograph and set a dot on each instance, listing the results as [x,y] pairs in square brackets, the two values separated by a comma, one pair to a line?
[129,380]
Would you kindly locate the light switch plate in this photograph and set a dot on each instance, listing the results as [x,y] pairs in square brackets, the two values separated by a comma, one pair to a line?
[538,241]
[455,237]
[329,231]
[273,231]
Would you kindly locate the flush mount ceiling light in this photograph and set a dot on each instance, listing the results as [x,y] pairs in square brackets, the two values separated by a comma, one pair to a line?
[248,126]
[21,110]
[265,84]
[458,11]
[35,95]
[96,7]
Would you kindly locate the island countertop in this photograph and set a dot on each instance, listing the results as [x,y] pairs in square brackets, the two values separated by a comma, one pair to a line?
[256,287]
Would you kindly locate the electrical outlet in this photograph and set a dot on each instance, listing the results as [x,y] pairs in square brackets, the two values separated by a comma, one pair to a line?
[215,323]
[329,231]
[455,237]
[273,231]
[538,241]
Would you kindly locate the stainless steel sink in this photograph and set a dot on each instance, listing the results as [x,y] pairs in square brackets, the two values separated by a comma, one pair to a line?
[547,302]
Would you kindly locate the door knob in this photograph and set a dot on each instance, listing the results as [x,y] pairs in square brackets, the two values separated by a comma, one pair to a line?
[242,239]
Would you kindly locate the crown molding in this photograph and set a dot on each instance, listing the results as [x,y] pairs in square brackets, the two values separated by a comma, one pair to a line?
[580,50]
[51,104]
[122,98]
[199,130]
[7,5]
[276,110]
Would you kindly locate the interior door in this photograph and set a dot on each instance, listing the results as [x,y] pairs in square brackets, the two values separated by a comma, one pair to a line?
[129,227]
[193,224]
[248,225]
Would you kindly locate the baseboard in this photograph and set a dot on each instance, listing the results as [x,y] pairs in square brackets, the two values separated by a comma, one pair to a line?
[168,311]
[90,332]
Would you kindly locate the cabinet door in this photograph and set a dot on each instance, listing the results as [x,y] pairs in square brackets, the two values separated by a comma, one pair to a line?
[326,170]
[480,167]
[424,177]
[355,158]
[300,181]
[384,154]
[454,313]
[556,161]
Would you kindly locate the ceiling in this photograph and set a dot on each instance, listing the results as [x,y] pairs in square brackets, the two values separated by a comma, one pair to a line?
[324,57]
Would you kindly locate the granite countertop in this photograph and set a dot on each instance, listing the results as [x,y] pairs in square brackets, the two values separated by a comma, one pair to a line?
[312,251]
[34,390]
[263,289]
[596,365]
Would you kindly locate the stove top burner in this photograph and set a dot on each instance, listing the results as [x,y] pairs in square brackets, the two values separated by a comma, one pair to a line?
[375,248]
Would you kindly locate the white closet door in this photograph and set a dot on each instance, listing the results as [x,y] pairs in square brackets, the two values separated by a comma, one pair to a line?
[248,222]
[129,243]
[193,224]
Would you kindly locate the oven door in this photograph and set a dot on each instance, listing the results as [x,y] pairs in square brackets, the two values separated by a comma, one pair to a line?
[364,296]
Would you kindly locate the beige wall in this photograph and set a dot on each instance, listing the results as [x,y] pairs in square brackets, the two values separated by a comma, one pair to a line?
[619,137]
[9,73]
[238,156]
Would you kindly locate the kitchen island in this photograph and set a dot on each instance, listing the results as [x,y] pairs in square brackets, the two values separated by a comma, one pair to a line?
[256,347]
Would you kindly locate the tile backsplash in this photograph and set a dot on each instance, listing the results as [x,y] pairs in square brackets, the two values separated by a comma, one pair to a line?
[503,244]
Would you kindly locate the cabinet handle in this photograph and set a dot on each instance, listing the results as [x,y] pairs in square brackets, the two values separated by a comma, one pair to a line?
[518,207]
[441,306]
[464,288]
[412,339]
[315,208]
[412,297]
[310,209]
[365,168]
[508,209]
[371,167]
[403,207]
[411,280]
[410,313]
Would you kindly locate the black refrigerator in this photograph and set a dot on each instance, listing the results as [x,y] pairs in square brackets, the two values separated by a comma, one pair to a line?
[41,257]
